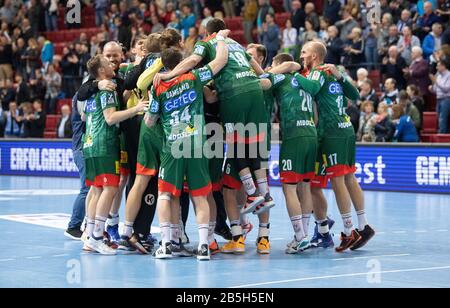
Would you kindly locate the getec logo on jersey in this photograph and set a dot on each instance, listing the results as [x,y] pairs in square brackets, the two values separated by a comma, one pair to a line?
[278,78]
[204,74]
[335,88]
[294,83]
[180,101]
[90,106]
[199,49]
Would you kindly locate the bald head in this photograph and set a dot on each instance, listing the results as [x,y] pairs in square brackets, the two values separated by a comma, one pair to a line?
[113,52]
[313,53]
[320,49]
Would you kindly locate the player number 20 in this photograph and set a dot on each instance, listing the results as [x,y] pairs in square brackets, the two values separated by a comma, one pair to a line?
[287,164]
[307,101]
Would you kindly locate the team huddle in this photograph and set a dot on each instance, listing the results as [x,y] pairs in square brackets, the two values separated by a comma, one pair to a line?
[220,88]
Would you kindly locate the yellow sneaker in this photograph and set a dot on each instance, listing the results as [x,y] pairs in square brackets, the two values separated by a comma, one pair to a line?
[234,246]
[263,246]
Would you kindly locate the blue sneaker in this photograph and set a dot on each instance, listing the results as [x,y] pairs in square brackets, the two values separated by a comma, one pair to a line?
[322,241]
[151,239]
[113,232]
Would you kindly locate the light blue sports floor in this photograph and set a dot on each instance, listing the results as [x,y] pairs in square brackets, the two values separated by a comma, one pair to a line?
[411,248]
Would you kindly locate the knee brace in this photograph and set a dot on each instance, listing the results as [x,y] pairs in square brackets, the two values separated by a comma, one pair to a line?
[165,196]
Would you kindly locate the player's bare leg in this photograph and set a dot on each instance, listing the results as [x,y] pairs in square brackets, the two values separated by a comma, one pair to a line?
[263,187]
[203,218]
[304,195]
[246,225]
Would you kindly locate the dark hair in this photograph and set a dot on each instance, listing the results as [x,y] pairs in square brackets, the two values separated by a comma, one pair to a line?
[403,95]
[153,43]
[445,62]
[398,111]
[94,64]
[138,38]
[215,25]
[283,57]
[414,89]
[170,38]
[171,57]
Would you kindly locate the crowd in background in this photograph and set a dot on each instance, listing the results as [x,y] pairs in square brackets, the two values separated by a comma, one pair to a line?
[409,47]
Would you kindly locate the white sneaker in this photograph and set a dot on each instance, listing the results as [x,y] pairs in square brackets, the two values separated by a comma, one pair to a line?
[163,252]
[297,246]
[100,247]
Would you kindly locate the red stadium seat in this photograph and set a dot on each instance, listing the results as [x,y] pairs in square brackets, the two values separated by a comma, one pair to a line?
[239,37]
[62,102]
[281,18]
[234,23]
[375,77]
[50,135]
[430,122]
[426,137]
[441,138]
[51,122]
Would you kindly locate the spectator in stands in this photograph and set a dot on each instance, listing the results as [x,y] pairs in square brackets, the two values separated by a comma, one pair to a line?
[188,20]
[324,24]
[331,10]
[405,44]
[27,32]
[36,15]
[387,37]
[264,10]
[393,66]
[170,8]
[354,52]
[309,34]
[100,11]
[32,57]
[18,56]
[346,24]
[157,26]
[64,126]
[270,38]
[361,76]
[6,58]
[354,113]
[370,47]
[384,129]
[405,130]
[47,51]
[405,21]
[425,22]
[2,122]
[335,46]
[12,122]
[228,7]
[51,15]
[70,68]
[37,86]
[298,16]
[410,110]
[189,43]
[208,16]
[366,130]
[53,81]
[418,71]
[7,93]
[290,39]
[23,91]
[250,14]
[34,123]
[7,12]
[123,33]
[441,86]
[420,6]
[174,22]
[416,99]
[433,41]
[367,93]
[310,11]
[390,95]
[83,55]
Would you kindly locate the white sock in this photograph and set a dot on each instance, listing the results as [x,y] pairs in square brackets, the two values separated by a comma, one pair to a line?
[175,233]
[243,217]
[263,186]
[362,220]
[128,228]
[297,224]
[99,227]
[165,233]
[236,229]
[263,230]
[348,224]
[113,219]
[212,226]
[249,184]
[322,225]
[305,220]
[203,235]
[90,227]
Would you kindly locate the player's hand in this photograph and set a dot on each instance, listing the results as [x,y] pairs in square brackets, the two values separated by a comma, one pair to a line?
[333,70]
[142,106]
[160,77]
[224,33]
[106,85]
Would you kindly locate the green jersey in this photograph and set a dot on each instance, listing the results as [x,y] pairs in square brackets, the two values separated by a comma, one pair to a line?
[100,139]
[179,103]
[237,76]
[296,107]
[330,95]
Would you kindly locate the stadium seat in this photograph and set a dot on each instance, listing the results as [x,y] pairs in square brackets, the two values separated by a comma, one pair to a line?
[50,135]
[51,122]
[441,138]
[375,77]
[281,18]
[426,137]
[430,122]
[234,23]
[239,37]
[62,102]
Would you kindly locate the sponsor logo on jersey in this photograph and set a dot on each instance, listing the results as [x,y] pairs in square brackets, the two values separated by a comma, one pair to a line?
[107,99]
[245,74]
[150,62]
[278,78]
[178,90]
[335,88]
[180,101]
[301,123]
[199,49]
[90,105]
[294,83]
[154,108]
[265,75]
[205,74]
[344,125]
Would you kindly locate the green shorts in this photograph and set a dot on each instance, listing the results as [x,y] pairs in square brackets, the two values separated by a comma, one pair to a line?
[239,111]
[102,171]
[150,145]
[321,178]
[174,171]
[124,165]
[339,154]
[297,159]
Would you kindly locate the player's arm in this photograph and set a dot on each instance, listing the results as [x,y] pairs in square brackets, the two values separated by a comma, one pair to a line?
[309,85]
[210,95]
[256,67]
[152,115]
[350,91]
[146,78]
[286,67]
[112,116]
[221,58]
[186,65]
[265,83]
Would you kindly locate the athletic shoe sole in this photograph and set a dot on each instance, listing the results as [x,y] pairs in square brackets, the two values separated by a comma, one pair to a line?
[72,237]
[250,208]
[264,208]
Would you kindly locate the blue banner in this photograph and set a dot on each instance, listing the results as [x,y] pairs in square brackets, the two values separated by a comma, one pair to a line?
[386,167]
